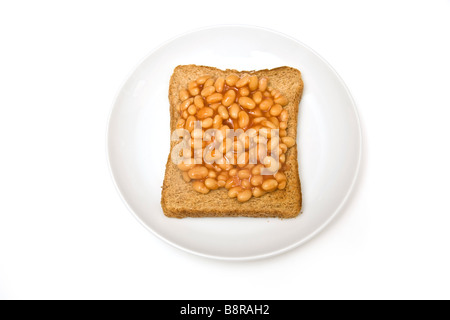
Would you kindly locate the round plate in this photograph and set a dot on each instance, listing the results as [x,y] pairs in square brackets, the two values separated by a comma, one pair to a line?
[329,142]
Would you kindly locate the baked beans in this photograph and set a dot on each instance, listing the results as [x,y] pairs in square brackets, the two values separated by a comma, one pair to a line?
[229,98]
[215,97]
[219,84]
[234,102]
[206,92]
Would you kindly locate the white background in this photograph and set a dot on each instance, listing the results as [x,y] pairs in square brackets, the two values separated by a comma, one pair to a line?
[65,233]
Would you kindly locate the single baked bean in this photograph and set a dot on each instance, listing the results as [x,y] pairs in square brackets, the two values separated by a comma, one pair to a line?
[244,92]
[186,176]
[205,112]
[199,172]
[244,195]
[281,100]
[212,173]
[243,81]
[253,83]
[217,123]
[258,192]
[283,133]
[231,79]
[244,174]
[269,185]
[223,112]
[259,120]
[193,88]
[233,192]
[275,121]
[185,114]
[233,172]
[222,177]
[280,176]
[276,110]
[256,180]
[192,110]
[267,94]
[257,169]
[266,104]
[211,184]
[215,97]
[190,122]
[262,84]
[284,116]
[202,79]
[247,103]
[207,91]
[185,166]
[283,158]
[184,94]
[186,103]
[219,84]
[228,98]
[257,97]
[243,119]
[283,148]
[283,125]
[209,82]
[234,111]
[268,124]
[288,141]
[207,123]
[198,102]
[282,185]
[200,187]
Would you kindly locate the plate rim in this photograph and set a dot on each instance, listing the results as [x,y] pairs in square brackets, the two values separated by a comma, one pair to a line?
[250,257]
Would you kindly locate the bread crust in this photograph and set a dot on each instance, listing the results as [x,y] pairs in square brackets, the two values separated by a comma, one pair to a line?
[179,200]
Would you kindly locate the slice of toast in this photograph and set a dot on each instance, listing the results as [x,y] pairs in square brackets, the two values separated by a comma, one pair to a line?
[179,200]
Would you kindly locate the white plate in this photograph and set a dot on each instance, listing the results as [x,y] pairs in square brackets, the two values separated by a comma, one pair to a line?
[329,142]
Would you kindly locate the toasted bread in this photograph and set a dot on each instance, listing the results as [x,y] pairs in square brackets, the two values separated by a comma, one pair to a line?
[179,200]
